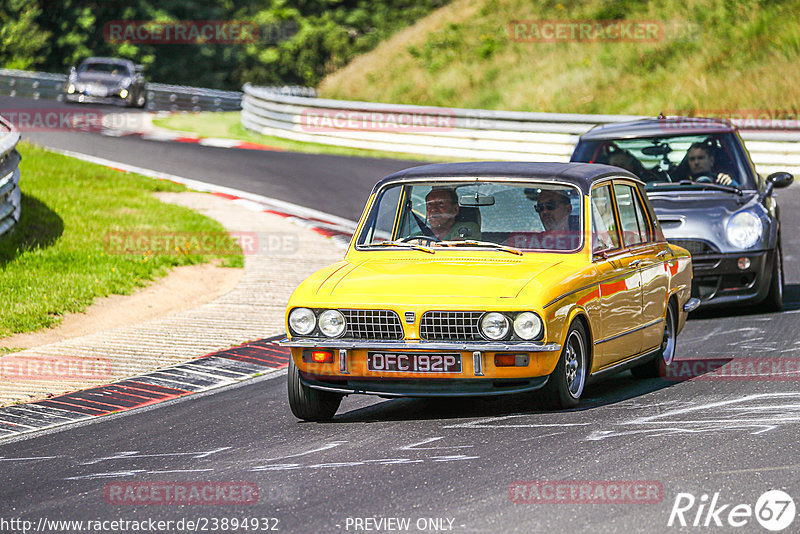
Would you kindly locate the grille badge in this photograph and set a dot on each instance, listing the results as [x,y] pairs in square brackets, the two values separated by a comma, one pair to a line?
[410,317]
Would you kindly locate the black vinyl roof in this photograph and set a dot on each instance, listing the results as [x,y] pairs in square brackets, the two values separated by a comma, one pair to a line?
[665,127]
[582,175]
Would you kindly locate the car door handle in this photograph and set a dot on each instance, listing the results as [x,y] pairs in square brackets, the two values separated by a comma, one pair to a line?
[662,254]
[635,263]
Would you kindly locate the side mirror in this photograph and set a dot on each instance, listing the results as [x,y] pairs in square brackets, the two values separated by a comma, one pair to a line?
[776,179]
[72,70]
[780,179]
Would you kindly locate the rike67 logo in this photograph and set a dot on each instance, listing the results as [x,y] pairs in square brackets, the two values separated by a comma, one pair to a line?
[774,510]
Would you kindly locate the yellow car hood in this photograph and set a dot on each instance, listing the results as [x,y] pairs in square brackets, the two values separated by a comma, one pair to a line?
[375,279]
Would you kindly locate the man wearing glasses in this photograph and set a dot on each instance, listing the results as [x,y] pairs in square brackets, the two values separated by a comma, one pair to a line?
[554,209]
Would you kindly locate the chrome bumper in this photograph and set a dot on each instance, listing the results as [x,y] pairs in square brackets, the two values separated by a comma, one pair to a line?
[472,346]
[691,304]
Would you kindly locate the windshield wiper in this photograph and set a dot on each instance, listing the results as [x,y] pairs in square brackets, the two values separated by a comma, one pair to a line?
[474,243]
[423,248]
[712,185]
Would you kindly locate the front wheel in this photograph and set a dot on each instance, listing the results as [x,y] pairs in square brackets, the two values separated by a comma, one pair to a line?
[307,403]
[565,385]
[666,354]
[774,300]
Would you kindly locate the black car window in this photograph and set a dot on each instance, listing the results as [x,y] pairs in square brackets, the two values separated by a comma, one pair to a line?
[662,161]
[117,69]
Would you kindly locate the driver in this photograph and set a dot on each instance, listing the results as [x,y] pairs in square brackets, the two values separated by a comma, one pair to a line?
[701,163]
[441,206]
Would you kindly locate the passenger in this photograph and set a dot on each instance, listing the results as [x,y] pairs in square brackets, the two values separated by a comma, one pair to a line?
[441,206]
[701,164]
[625,160]
[554,209]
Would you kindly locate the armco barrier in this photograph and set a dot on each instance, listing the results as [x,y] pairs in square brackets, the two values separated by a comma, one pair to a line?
[160,97]
[10,195]
[459,133]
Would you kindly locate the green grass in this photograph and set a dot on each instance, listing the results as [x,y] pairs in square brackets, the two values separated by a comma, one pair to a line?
[712,58]
[226,124]
[58,259]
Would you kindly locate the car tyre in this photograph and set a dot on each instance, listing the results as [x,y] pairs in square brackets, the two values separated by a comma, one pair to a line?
[307,403]
[141,99]
[666,353]
[565,384]
[774,300]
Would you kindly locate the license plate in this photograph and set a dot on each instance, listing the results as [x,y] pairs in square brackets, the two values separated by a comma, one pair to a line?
[415,362]
[97,90]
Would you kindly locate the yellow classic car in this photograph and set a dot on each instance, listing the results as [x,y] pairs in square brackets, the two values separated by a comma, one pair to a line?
[490,278]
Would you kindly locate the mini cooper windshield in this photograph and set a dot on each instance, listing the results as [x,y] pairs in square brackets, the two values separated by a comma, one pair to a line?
[712,161]
[507,216]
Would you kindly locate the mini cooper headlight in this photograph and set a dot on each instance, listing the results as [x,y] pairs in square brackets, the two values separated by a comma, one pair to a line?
[527,325]
[744,229]
[302,321]
[494,326]
[331,323]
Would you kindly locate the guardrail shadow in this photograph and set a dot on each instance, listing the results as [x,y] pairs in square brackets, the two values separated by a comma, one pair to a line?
[608,391]
[38,227]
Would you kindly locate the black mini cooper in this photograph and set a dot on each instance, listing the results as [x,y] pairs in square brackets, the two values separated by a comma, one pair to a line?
[708,198]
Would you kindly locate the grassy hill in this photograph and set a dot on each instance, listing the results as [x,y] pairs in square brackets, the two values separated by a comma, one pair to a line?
[710,57]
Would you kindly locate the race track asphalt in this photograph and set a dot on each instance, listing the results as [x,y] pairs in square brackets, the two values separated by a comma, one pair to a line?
[444,460]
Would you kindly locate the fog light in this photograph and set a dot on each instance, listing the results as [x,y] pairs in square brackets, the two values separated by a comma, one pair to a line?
[744,263]
[123,93]
[510,360]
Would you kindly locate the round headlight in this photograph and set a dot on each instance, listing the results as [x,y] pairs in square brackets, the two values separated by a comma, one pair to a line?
[494,326]
[744,229]
[302,321]
[331,323]
[527,325]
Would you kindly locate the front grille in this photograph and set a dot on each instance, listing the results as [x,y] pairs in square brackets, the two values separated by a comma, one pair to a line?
[695,246]
[372,324]
[450,326]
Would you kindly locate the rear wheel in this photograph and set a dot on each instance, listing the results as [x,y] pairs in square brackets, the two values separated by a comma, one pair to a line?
[658,365]
[565,385]
[774,300]
[307,403]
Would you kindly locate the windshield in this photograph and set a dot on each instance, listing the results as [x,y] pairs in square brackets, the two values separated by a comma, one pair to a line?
[115,69]
[527,216]
[665,161]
